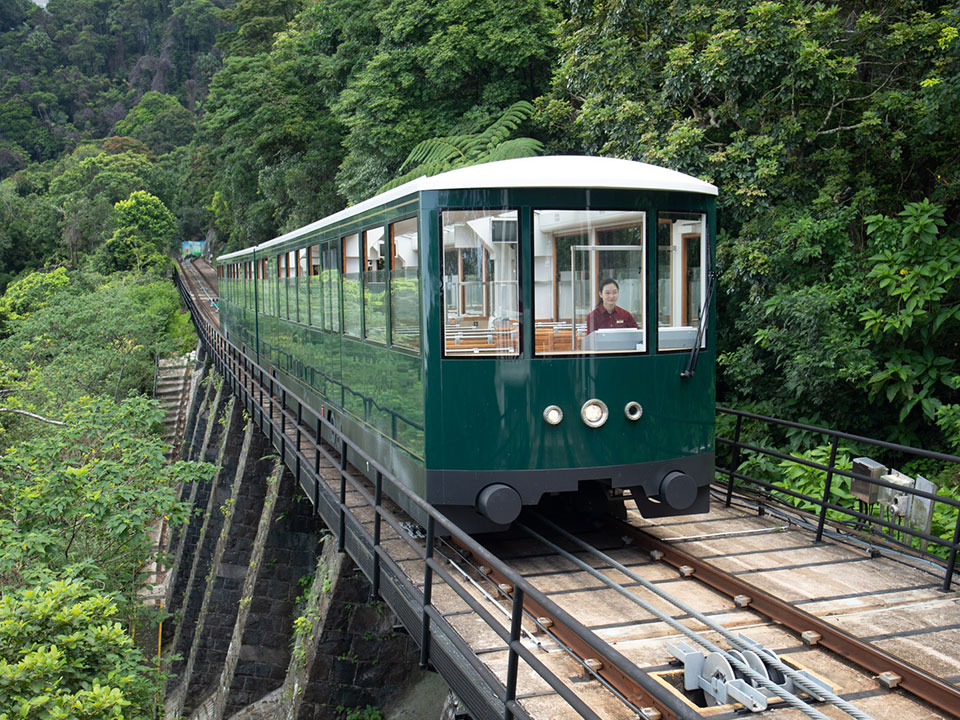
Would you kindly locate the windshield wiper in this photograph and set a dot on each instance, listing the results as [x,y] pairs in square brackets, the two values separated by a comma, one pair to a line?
[701,326]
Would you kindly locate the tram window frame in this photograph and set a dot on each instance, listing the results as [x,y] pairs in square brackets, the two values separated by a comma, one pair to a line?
[498,328]
[315,286]
[302,285]
[331,284]
[668,217]
[348,328]
[371,331]
[584,234]
[394,301]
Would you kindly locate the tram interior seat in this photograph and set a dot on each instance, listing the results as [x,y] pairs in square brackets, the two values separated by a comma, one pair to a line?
[475,335]
[552,336]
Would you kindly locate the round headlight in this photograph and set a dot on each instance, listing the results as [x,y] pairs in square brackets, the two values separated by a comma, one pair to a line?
[633,410]
[594,413]
[552,414]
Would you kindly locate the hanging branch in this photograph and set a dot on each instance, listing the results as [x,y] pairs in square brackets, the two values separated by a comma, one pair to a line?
[30,414]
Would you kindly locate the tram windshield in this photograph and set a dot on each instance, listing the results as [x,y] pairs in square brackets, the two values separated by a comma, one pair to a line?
[681,281]
[589,282]
[480,283]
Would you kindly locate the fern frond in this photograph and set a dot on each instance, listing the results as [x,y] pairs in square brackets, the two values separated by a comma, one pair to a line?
[436,155]
[505,125]
[516,148]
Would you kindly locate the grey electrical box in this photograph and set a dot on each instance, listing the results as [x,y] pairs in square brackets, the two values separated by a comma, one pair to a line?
[921,509]
[864,489]
[897,502]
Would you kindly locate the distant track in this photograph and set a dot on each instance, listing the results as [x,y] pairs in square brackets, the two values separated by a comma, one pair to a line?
[201,280]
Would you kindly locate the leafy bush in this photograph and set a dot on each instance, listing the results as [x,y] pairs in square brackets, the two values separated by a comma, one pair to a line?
[64,655]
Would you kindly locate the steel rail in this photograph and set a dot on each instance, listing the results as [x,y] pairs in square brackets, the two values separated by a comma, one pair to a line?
[812,689]
[928,688]
[637,694]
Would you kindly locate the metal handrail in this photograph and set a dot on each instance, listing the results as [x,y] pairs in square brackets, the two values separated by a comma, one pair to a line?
[239,369]
[823,503]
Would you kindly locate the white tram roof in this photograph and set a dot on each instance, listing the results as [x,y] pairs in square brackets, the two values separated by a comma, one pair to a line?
[551,171]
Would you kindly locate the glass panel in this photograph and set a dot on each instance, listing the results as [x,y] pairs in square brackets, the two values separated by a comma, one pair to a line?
[351,285]
[375,285]
[480,283]
[405,285]
[589,283]
[291,285]
[681,257]
[282,284]
[331,287]
[316,288]
[303,287]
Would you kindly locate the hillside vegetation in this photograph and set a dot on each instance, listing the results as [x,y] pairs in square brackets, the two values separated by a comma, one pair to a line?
[832,130]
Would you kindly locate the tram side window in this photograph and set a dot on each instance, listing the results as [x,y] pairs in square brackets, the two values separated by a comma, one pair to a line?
[292,285]
[481,283]
[589,282]
[374,285]
[351,285]
[405,284]
[316,288]
[331,286]
[303,286]
[281,285]
[681,259]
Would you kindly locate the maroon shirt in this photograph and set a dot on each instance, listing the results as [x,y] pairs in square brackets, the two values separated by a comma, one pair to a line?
[600,319]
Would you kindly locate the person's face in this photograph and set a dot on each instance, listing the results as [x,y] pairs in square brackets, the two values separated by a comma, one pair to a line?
[609,296]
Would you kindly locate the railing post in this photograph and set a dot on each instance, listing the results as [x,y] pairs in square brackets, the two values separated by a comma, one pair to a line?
[427,594]
[316,471]
[512,658]
[378,497]
[734,460]
[341,541]
[952,558]
[826,489]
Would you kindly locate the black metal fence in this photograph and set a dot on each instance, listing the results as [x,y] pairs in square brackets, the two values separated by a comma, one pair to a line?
[863,518]
[289,423]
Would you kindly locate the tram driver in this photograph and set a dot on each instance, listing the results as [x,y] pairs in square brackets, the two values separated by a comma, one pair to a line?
[607,314]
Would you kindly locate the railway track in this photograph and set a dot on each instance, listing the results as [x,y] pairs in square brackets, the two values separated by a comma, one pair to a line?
[201,280]
[653,606]
[616,580]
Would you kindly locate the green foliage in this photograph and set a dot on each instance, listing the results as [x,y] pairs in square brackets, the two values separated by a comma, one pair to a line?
[29,294]
[439,69]
[160,121]
[360,713]
[915,321]
[82,495]
[811,481]
[63,654]
[90,342]
[144,233]
[447,153]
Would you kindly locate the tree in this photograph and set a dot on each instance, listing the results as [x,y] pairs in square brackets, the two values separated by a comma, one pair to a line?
[30,294]
[160,121]
[439,69]
[145,229]
[914,319]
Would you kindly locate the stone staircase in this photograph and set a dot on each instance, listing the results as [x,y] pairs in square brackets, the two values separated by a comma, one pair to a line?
[173,392]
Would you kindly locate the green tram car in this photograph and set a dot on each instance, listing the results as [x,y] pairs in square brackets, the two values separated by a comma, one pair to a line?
[454,328]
